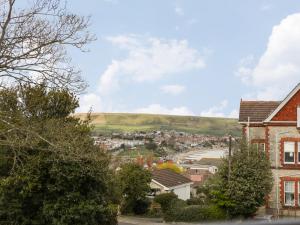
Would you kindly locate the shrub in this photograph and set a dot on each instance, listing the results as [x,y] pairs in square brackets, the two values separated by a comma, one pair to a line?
[172,213]
[195,201]
[165,200]
[180,212]
[141,206]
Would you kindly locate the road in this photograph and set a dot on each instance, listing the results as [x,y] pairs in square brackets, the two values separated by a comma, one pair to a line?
[127,220]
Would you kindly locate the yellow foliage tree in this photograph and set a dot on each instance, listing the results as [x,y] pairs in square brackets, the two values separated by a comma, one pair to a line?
[169,165]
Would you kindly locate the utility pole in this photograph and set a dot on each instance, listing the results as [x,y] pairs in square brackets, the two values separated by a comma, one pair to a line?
[229,157]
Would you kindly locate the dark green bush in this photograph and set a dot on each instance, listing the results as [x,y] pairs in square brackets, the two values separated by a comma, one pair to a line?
[172,212]
[180,212]
[141,206]
[165,200]
[195,201]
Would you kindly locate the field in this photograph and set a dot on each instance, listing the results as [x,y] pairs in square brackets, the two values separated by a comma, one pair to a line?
[124,122]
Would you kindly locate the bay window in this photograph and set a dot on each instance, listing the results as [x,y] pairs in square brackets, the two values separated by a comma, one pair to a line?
[298,193]
[289,152]
[289,193]
[298,143]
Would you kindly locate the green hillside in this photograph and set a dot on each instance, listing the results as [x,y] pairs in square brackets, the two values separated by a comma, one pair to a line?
[124,122]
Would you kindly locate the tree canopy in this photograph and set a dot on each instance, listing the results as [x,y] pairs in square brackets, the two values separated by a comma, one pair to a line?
[51,171]
[243,187]
[134,185]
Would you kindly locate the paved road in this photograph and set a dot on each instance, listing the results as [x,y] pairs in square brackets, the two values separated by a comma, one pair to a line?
[149,221]
[137,221]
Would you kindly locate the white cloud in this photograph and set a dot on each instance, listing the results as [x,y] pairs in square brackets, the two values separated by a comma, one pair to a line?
[179,10]
[174,89]
[233,114]
[192,21]
[265,7]
[244,70]
[88,102]
[218,111]
[215,111]
[278,69]
[148,59]
[158,109]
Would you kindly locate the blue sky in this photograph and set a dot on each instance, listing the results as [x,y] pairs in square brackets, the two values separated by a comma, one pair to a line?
[191,57]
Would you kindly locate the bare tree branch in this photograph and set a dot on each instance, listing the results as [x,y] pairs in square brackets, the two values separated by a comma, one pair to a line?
[34,43]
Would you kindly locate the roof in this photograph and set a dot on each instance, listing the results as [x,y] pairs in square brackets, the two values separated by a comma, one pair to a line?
[283,103]
[198,172]
[169,178]
[211,161]
[257,111]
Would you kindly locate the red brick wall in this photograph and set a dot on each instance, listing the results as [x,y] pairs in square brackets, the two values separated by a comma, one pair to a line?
[289,111]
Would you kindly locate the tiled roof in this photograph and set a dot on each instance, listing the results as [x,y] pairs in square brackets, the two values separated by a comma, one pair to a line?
[168,178]
[210,161]
[258,111]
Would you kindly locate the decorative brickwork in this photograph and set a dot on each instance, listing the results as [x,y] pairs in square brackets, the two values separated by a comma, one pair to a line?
[289,111]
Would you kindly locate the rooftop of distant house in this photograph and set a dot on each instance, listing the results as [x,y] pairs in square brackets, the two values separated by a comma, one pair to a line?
[169,178]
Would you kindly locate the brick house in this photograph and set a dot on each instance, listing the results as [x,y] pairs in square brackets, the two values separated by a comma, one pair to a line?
[274,126]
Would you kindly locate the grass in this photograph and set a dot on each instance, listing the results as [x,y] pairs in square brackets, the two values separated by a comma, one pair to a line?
[134,153]
[123,122]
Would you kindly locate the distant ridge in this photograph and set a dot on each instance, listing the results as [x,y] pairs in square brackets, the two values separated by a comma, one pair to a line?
[129,122]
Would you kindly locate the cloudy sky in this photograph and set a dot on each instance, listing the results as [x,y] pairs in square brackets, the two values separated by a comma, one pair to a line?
[188,57]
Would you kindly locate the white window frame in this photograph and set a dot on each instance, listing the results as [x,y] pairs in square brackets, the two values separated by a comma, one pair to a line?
[289,192]
[298,193]
[298,153]
[298,116]
[286,142]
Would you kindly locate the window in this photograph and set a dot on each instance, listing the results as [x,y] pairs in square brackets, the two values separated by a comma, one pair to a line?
[298,152]
[298,116]
[259,145]
[289,152]
[289,193]
[298,193]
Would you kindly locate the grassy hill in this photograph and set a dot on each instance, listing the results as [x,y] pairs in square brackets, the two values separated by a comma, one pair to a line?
[124,122]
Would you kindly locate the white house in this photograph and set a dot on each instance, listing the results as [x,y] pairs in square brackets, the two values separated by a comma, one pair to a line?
[165,181]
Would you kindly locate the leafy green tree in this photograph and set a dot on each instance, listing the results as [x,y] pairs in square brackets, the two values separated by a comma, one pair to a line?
[134,186]
[242,188]
[53,173]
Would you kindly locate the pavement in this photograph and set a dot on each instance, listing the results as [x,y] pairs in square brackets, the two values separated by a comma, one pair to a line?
[128,220]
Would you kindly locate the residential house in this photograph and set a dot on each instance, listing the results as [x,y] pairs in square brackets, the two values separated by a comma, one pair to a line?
[274,126]
[199,172]
[166,180]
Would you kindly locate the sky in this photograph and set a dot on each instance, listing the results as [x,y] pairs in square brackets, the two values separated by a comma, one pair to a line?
[188,57]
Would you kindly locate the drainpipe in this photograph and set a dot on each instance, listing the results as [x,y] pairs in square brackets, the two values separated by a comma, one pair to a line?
[248,135]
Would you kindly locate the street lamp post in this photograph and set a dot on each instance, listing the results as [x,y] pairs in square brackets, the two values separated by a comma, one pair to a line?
[276,167]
